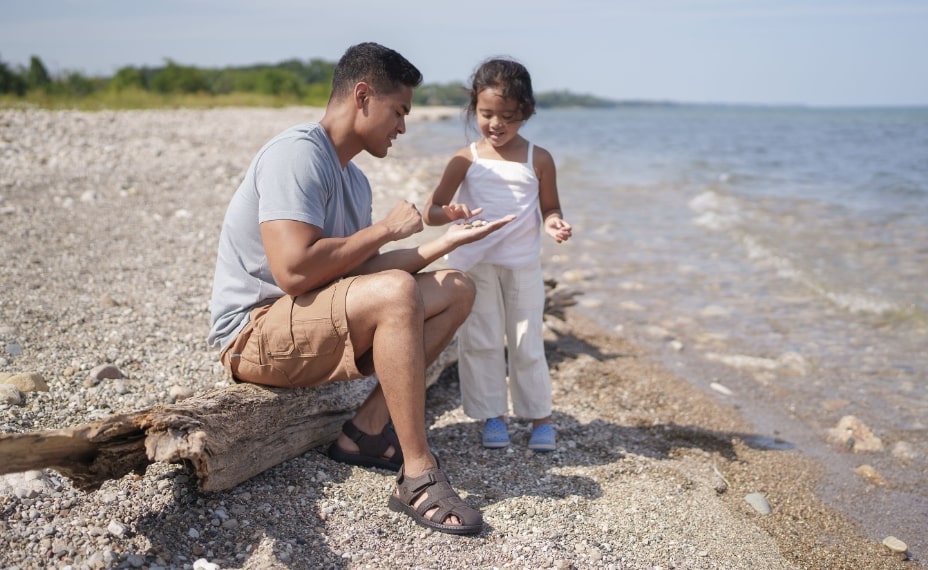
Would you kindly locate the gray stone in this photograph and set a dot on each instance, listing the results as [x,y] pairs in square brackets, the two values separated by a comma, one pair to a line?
[10,394]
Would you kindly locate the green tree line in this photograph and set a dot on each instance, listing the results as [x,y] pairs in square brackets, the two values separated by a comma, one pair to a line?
[288,82]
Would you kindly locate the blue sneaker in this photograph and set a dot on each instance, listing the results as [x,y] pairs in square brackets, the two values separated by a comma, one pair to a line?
[495,434]
[542,438]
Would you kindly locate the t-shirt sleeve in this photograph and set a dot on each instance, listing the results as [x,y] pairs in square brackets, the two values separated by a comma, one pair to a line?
[290,182]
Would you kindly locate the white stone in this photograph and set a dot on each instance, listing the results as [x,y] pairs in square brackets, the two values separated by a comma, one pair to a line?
[759,502]
[894,544]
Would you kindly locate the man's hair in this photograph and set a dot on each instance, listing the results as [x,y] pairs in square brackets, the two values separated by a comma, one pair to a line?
[382,68]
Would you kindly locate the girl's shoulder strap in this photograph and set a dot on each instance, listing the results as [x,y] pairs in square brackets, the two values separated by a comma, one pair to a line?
[473,150]
[531,152]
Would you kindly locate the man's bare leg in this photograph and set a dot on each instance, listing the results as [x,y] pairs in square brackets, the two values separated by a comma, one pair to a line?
[447,298]
[404,320]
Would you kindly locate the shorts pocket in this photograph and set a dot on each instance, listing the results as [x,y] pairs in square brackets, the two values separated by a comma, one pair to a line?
[315,337]
[276,331]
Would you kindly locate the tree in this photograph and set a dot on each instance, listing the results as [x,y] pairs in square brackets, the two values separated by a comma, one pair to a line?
[174,78]
[277,82]
[37,77]
[127,78]
[10,81]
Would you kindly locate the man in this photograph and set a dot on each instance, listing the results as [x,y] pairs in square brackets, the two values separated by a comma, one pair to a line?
[302,295]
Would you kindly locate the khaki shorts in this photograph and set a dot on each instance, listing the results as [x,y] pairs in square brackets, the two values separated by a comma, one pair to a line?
[296,341]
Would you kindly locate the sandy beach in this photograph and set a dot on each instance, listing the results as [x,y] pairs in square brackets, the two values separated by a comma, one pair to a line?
[108,230]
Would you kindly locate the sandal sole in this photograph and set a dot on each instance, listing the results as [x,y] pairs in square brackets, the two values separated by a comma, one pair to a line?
[399,506]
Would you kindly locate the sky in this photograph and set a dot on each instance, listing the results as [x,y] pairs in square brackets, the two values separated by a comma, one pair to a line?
[795,52]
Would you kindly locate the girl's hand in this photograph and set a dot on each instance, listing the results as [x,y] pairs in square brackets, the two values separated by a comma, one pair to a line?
[557,229]
[460,212]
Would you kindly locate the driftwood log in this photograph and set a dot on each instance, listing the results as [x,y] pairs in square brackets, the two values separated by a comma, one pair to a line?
[226,435]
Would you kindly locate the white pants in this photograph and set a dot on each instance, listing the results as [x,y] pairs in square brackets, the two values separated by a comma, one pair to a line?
[507,315]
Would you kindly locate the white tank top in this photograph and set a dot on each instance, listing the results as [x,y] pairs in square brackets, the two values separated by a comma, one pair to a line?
[501,187]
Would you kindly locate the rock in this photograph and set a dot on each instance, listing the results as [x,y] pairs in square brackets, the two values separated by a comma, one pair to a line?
[10,394]
[28,382]
[871,475]
[759,502]
[794,362]
[720,388]
[854,435]
[27,485]
[904,450]
[179,393]
[895,545]
[116,529]
[204,564]
[106,371]
[14,349]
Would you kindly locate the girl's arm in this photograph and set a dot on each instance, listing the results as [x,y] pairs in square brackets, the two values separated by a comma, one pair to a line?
[550,204]
[439,210]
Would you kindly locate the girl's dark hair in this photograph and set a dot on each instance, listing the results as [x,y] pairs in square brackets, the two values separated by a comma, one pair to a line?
[510,77]
[383,68]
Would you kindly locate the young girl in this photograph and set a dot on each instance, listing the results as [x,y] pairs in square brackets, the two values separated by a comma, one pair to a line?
[502,174]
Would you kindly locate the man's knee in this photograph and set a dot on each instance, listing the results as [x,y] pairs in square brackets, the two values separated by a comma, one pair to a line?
[462,287]
[397,286]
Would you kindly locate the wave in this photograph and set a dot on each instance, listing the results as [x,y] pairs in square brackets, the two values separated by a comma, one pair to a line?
[718,212]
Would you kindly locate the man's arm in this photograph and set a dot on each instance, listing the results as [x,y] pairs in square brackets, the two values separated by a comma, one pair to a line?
[415,259]
[301,260]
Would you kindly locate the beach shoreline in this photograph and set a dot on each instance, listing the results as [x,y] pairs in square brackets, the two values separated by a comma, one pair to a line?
[110,222]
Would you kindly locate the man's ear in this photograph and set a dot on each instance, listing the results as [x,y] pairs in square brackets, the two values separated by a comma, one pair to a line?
[362,92]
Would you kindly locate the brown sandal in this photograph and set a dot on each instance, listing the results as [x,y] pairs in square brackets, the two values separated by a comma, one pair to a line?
[438,495]
[371,448]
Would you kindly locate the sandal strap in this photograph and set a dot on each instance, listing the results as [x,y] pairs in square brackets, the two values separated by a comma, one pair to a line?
[374,445]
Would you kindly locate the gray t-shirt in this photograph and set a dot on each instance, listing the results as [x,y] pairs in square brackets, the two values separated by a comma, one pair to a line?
[295,176]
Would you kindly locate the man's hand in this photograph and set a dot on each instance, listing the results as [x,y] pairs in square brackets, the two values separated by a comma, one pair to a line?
[403,220]
[459,234]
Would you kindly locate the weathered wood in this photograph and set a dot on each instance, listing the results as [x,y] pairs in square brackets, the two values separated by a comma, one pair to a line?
[226,435]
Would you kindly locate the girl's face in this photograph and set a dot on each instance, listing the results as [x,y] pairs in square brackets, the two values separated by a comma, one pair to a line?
[498,118]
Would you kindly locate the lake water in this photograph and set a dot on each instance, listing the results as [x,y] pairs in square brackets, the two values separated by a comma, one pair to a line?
[778,253]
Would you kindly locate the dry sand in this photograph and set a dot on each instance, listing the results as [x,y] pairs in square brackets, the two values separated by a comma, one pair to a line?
[108,230]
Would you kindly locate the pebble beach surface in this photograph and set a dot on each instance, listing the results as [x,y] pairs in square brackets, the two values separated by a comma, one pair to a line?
[108,229]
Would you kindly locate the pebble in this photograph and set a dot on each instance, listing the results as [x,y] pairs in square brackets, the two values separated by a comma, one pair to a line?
[895,545]
[26,382]
[116,528]
[853,435]
[759,502]
[178,393]
[10,394]
[871,475]
[106,372]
